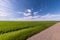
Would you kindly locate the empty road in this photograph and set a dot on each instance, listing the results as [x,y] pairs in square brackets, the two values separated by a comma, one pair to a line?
[52,33]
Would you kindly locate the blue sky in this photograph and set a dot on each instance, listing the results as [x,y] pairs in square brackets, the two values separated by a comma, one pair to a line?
[34,10]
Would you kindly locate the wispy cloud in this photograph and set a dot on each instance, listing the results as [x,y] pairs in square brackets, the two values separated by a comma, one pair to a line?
[3,14]
[28,16]
[47,17]
[27,13]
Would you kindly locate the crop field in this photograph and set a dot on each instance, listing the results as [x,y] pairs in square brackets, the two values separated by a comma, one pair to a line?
[17,30]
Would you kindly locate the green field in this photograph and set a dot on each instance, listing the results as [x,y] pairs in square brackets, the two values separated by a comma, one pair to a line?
[16,30]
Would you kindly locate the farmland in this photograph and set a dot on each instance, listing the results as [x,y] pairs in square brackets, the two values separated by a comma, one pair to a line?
[17,30]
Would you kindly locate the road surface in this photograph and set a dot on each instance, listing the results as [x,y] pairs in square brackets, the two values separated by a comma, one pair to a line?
[52,33]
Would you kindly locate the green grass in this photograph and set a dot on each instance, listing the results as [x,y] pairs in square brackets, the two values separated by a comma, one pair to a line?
[16,30]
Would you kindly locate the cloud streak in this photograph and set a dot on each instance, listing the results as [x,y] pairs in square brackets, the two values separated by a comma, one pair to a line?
[28,16]
[47,17]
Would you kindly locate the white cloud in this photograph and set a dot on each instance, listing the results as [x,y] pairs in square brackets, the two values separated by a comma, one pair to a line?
[28,10]
[5,8]
[20,12]
[51,16]
[2,14]
[36,13]
[47,17]
[37,17]
[27,14]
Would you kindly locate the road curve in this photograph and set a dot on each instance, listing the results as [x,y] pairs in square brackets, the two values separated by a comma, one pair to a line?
[52,33]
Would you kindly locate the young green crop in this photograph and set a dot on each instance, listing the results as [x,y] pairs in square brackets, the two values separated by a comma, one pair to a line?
[21,30]
[13,26]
